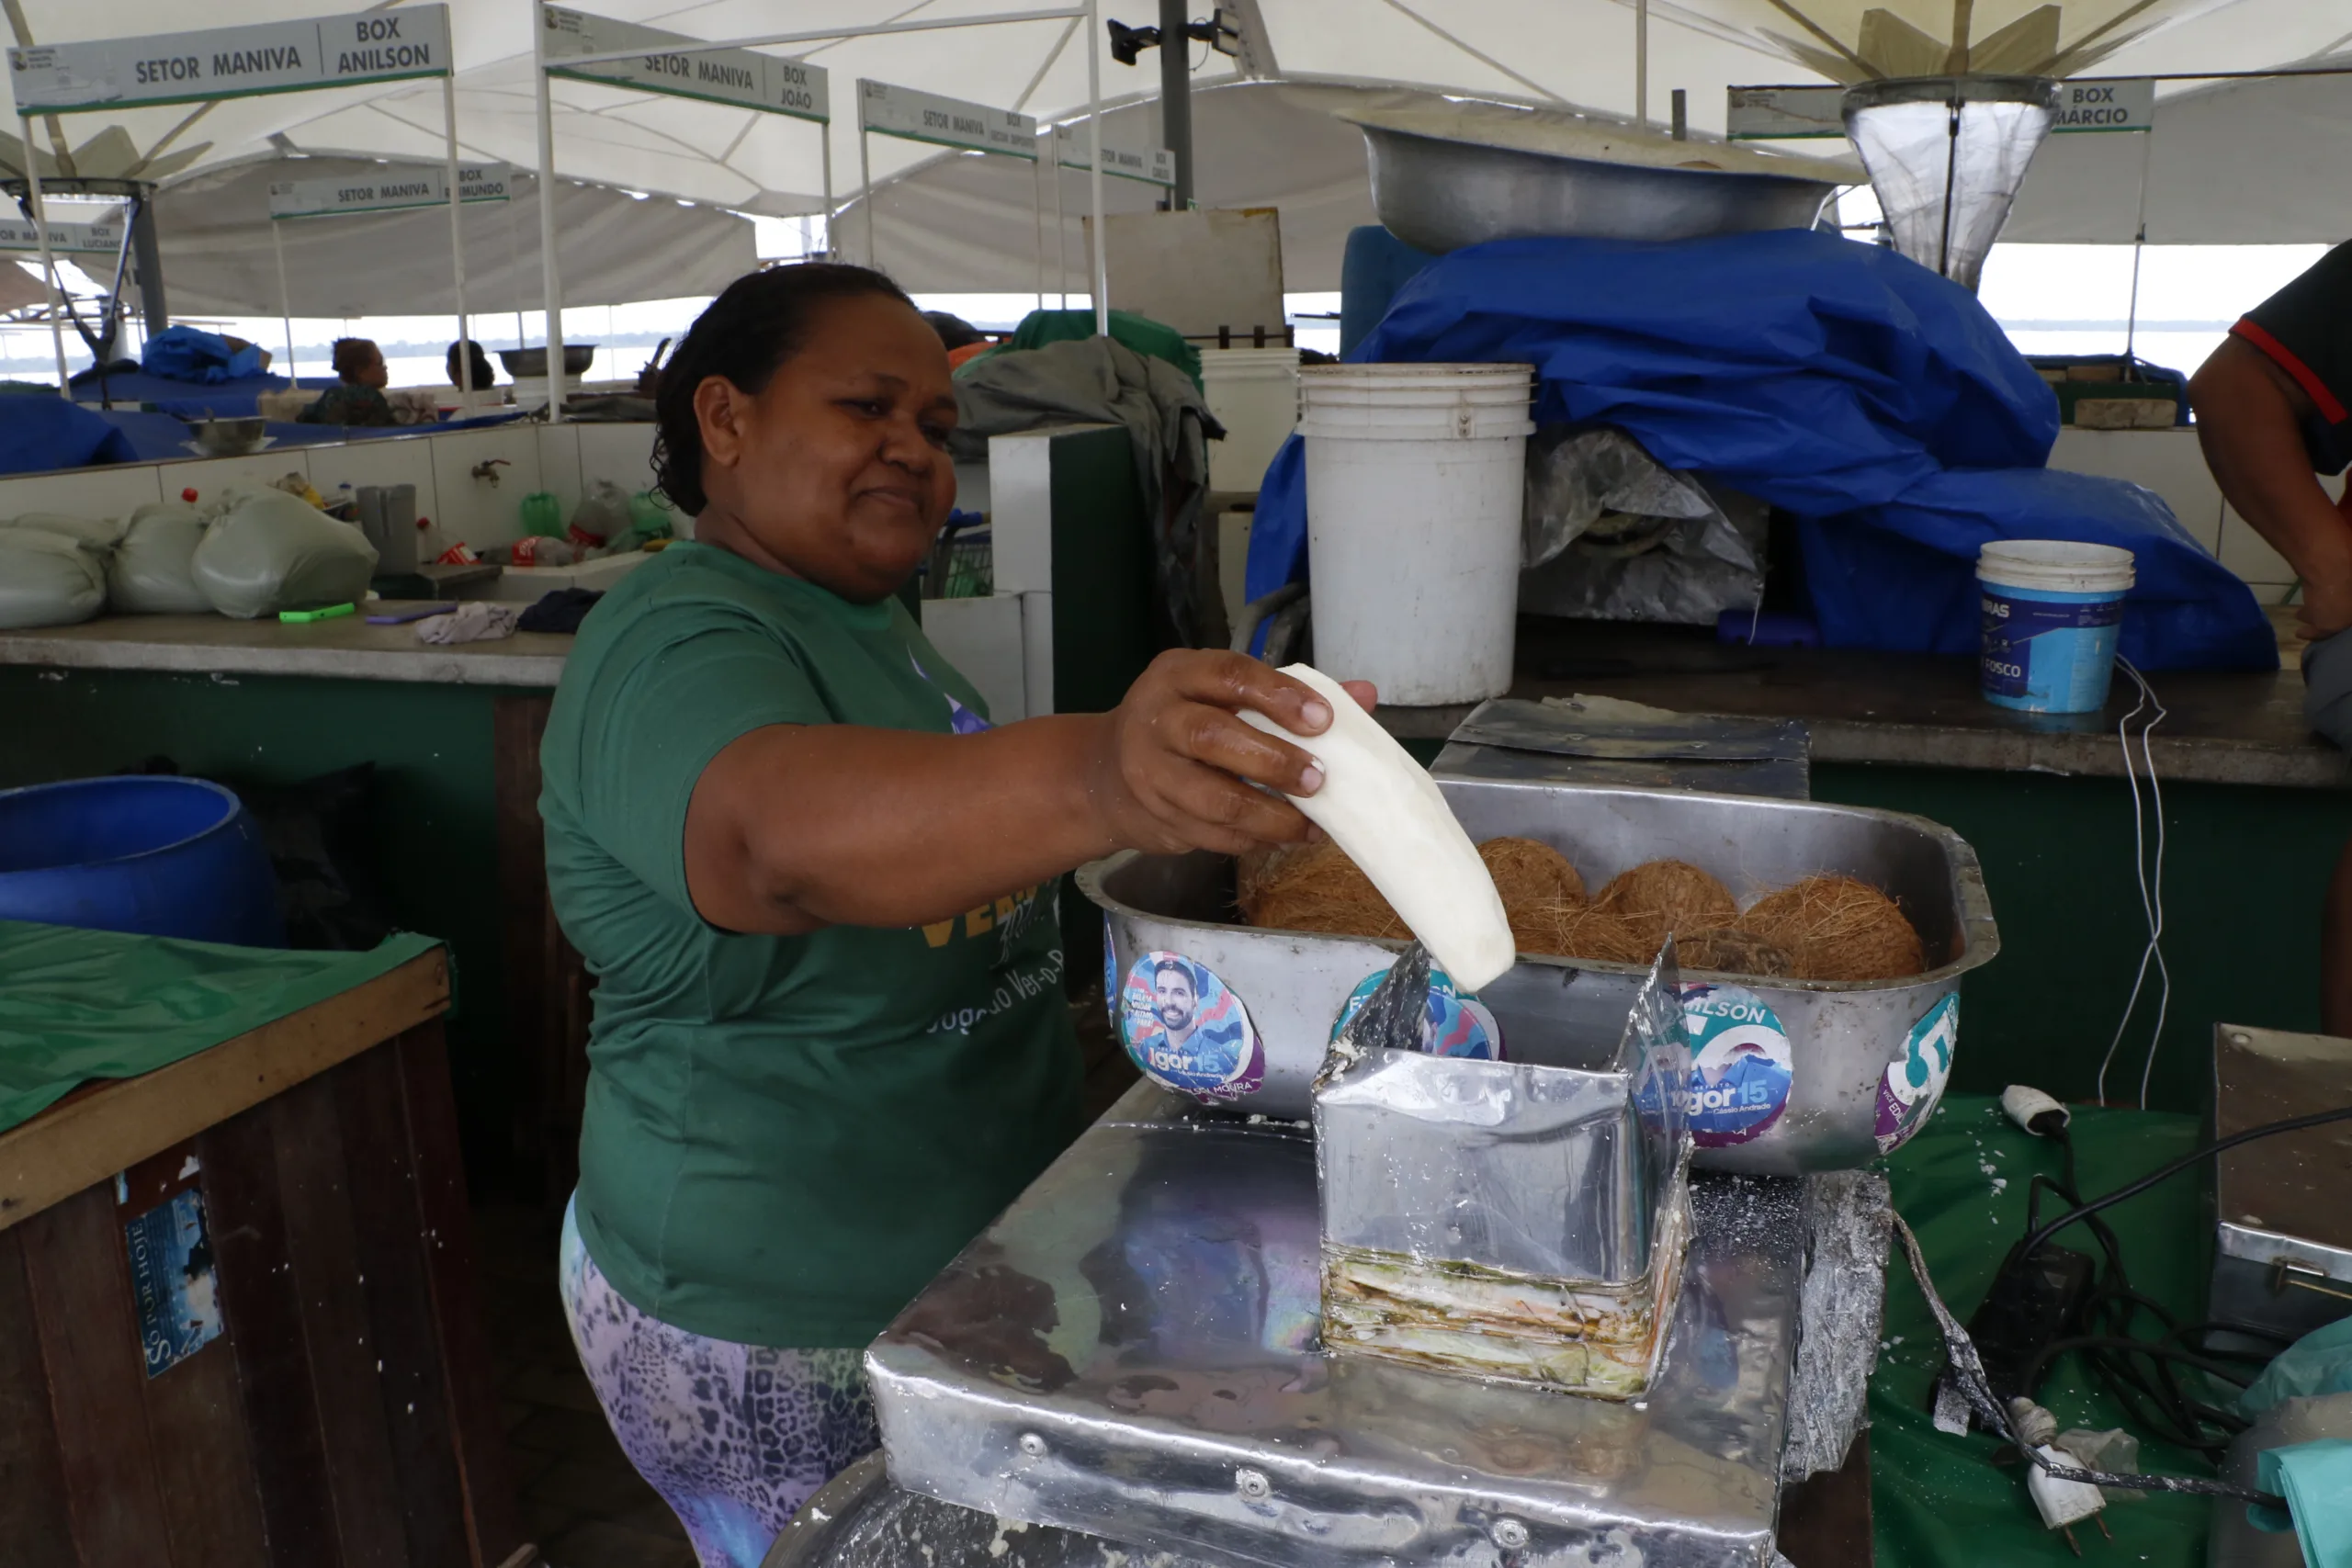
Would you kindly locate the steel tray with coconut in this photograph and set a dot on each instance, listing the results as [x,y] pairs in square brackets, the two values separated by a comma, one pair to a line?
[1846,1068]
[1509,1220]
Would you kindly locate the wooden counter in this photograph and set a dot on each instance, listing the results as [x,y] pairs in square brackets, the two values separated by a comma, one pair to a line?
[344,648]
[1919,710]
[345,1414]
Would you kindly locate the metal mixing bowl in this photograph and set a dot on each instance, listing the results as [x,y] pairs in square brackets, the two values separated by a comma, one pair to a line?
[1440,191]
[532,363]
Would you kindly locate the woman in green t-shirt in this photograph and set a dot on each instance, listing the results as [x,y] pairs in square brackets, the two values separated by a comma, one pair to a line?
[816,887]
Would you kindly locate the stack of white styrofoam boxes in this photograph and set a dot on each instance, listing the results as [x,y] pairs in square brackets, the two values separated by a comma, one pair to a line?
[563,460]
[1004,644]
[2172,463]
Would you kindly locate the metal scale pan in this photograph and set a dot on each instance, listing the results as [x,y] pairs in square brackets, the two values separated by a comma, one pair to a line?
[1131,1352]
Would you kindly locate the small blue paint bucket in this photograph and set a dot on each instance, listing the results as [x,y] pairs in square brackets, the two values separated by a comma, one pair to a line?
[2052,611]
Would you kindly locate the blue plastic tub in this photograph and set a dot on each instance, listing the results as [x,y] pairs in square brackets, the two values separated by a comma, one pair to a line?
[2053,610]
[159,856]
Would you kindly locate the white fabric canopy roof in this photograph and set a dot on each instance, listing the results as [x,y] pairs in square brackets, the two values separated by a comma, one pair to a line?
[213,231]
[1573,52]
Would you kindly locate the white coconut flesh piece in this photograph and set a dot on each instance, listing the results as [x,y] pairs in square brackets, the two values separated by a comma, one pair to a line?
[1385,811]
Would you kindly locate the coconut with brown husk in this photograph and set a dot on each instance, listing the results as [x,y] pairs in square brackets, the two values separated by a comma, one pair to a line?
[1316,887]
[1528,872]
[1838,928]
[1663,896]
[1727,949]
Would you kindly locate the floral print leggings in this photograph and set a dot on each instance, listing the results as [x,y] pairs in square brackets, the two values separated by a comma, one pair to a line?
[735,1438]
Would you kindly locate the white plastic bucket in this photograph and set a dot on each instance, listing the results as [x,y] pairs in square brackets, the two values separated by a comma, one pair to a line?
[1254,394]
[2053,610]
[1416,476]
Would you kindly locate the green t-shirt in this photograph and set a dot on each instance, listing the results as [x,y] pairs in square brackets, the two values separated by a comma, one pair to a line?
[785,1137]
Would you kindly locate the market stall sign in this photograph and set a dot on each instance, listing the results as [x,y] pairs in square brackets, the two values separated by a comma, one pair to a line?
[393,188]
[1796,114]
[232,63]
[1073,149]
[102,239]
[944,122]
[685,67]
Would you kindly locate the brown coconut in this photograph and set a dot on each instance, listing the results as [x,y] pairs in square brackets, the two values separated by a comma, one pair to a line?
[1838,928]
[1529,874]
[1316,887]
[1588,931]
[1727,949]
[1663,896]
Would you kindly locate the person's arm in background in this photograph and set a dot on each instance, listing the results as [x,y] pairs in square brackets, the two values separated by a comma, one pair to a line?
[795,827]
[2250,417]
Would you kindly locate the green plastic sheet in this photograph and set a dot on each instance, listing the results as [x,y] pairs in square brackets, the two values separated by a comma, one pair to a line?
[77,1005]
[1141,334]
[1939,1501]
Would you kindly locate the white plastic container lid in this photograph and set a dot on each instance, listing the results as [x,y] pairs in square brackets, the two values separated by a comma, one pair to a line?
[2056,566]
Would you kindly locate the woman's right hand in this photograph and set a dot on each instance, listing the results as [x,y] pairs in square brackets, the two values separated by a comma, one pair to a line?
[1169,769]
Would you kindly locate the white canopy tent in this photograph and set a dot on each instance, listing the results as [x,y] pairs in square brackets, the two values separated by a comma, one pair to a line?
[1577,53]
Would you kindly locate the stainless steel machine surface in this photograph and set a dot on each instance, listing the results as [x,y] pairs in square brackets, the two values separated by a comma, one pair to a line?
[2282,1251]
[1131,1352]
[1861,1065]
[1472,173]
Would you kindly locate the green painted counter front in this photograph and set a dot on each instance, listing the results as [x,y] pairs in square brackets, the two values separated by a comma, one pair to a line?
[431,743]
[2245,873]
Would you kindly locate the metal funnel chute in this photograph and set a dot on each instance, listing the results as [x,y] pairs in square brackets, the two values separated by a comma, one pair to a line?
[1945,155]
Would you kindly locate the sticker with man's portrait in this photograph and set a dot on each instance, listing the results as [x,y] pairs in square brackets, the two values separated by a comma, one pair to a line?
[1454,1023]
[1187,1031]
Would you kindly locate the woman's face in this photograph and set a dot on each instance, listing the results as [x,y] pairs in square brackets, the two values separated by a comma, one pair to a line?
[838,470]
[373,373]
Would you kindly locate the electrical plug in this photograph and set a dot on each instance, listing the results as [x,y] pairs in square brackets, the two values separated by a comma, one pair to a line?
[2063,1504]
[2034,1110]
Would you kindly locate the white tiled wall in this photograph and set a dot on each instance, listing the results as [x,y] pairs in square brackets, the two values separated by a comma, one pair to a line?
[440,464]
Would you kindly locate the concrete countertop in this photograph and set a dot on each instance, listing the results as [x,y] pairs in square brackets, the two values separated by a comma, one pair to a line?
[348,648]
[1921,710]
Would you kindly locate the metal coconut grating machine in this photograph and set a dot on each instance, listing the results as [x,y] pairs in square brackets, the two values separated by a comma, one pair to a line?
[1328,1312]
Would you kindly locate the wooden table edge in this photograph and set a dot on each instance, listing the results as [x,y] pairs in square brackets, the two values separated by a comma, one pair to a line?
[88,1138]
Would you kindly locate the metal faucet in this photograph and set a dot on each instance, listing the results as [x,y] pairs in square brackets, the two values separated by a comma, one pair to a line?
[488,469]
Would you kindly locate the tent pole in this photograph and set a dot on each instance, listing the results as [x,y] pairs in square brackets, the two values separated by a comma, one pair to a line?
[1061,225]
[2139,243]
[1642,62]
[1176,98]
[825,145]
[48,260]
[1095,174]
[515,259]
[865,184]
[458,244]
[284,301]
[551,283]
[1037,212]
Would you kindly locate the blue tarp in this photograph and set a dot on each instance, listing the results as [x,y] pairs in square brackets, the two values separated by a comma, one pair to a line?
[1840,382]
[191,353]
[158,437]
[239,398]
[42,431]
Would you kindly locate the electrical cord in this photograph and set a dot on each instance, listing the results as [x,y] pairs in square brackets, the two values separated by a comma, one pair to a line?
[2151,895]
[2141,1372]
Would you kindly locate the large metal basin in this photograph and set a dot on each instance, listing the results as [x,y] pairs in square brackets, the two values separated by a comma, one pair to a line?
[1865,1062]
[1489,176]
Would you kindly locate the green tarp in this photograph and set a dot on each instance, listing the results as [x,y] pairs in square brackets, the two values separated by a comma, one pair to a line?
[77,1005]
[1939,1501]
[1141,334]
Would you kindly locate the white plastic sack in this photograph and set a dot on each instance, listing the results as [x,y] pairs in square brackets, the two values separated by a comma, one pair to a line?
[47,580]
[95,533]
[265,551]
[153,571]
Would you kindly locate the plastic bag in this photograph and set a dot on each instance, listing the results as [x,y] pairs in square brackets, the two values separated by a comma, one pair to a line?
[47,580]
[97,535]
[191,353]
[1583,482]
[263,551]
[153,571]
[2318,1363]
[602,512]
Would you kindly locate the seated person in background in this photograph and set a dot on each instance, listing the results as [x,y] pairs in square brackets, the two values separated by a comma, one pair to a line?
[357,396]
[2274,411]
[483,375]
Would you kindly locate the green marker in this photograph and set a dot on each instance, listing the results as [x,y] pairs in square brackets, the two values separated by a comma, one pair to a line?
[324,613]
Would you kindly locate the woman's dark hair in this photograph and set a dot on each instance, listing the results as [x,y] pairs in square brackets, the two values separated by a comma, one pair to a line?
[483,375]
[760,322]
[351,355]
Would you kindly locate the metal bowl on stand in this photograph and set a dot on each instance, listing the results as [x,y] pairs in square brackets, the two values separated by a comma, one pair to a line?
[229,437]
[1442,179]
[531,363]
